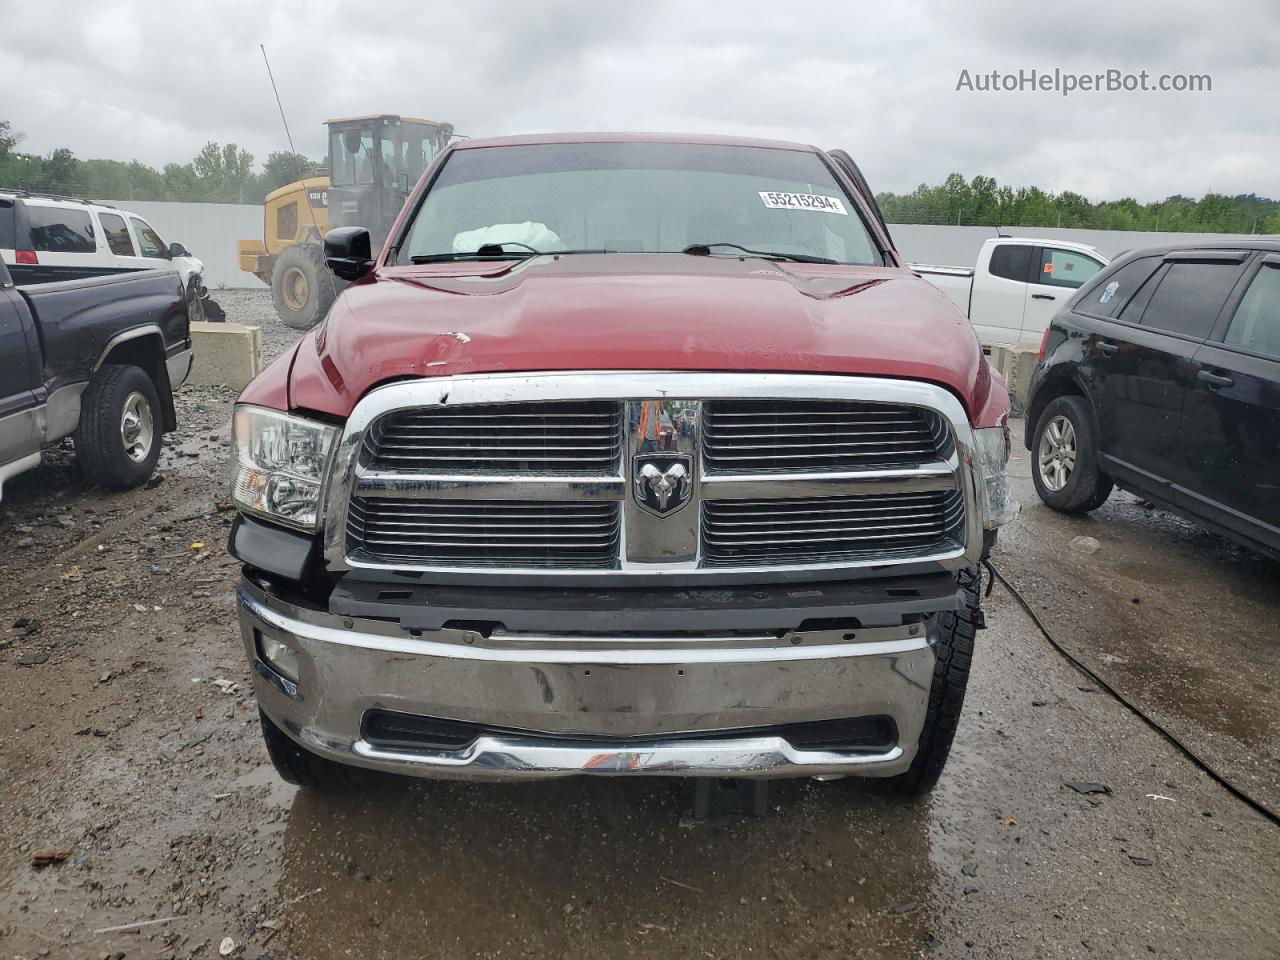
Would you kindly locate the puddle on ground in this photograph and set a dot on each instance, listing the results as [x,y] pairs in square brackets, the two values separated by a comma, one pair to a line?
[277,795]
[592,868]
[1170,613]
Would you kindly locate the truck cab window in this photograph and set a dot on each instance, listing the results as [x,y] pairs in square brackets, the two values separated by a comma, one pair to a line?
[1065,268]
[1010,261]
[1256,325]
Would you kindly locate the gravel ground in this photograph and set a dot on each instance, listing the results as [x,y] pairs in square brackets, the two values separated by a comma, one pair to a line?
[130,757]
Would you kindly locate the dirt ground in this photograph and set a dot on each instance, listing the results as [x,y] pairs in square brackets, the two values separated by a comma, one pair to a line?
[130,755]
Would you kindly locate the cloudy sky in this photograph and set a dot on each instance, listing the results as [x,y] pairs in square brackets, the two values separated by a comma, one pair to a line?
[154,82]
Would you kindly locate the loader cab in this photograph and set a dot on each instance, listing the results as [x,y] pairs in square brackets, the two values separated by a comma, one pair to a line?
[374,162]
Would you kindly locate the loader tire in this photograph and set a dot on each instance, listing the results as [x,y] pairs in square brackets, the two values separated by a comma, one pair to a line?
[302,288]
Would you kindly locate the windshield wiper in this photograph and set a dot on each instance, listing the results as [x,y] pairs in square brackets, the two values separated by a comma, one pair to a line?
[704,250]
[494,251]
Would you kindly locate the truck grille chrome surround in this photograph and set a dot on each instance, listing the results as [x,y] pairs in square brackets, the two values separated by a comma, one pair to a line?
[708,477]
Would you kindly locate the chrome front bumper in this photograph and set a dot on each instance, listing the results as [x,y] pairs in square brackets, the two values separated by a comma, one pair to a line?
[590,705]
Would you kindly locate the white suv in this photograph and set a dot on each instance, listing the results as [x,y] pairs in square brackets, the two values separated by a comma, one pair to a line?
[47,238]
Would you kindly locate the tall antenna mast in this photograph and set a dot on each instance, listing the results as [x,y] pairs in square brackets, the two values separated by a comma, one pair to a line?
[272,77]
[306,199]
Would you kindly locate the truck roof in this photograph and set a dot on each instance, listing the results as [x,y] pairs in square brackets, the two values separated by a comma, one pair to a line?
[546,138]
[1041,242]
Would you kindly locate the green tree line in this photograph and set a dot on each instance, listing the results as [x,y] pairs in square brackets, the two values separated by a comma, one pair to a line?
[983,202]
[225,174]
[219,173]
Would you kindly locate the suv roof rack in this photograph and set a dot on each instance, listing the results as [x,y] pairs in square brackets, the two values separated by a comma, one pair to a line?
[41,195]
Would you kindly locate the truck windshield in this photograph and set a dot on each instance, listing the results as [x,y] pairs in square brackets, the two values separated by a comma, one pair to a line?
[638,197]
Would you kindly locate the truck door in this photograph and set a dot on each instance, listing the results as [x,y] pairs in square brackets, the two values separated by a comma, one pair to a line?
[999,293]
[1140,364]
[1231,428]
[1056,272]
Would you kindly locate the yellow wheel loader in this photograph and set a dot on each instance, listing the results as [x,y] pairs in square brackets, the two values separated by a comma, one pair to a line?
[374,162]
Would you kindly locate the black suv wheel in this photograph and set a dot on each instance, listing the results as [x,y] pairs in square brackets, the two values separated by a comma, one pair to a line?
[1065,465]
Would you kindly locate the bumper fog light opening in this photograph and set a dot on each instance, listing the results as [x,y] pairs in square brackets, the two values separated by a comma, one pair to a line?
[278,655]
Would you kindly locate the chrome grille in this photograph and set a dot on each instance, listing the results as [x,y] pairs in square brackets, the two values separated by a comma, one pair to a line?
[545,475]
[819,436]
[532,438]
[827,529]
[485,532]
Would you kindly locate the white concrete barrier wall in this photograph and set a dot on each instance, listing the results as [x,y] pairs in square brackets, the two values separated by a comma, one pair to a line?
[212,231]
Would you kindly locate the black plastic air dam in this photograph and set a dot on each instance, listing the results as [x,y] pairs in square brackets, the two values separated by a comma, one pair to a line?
[273,549]
[757,607]
[404,732]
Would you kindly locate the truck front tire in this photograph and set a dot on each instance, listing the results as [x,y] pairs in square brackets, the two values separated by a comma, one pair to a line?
[954,655]
[121,423]
[299,766]
[302,288]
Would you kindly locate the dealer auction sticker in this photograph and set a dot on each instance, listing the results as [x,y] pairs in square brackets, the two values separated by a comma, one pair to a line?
[802,201]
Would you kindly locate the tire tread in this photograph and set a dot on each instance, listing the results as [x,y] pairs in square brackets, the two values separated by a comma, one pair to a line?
[301,767]
[953,660]
[310,257]
[1088,488]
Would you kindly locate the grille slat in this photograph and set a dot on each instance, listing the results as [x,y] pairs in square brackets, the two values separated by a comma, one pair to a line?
[486,532]
[879,453]
[556,437]
[830,522]
[764,436]
[828,529]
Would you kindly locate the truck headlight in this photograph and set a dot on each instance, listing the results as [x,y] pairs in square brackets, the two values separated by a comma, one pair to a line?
[998,505]
[281,463]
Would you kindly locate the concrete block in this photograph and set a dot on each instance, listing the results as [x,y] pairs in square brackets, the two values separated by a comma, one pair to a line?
[229,354]
[1016,366]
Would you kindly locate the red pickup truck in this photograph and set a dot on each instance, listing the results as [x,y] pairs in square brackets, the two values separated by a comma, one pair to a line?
[476,546]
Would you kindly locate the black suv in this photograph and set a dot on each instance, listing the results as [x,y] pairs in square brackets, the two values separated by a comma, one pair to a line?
[1162,376]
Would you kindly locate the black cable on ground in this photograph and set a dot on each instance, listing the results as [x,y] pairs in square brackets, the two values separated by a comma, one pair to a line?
[1186,751]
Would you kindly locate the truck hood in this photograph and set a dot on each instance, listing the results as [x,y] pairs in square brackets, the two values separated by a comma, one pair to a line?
[635,312]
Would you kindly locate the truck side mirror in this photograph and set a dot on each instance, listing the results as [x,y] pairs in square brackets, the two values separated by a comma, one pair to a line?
[177,250]
[349,252]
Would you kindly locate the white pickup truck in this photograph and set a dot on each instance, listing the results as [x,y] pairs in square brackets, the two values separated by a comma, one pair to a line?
[1016,286]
